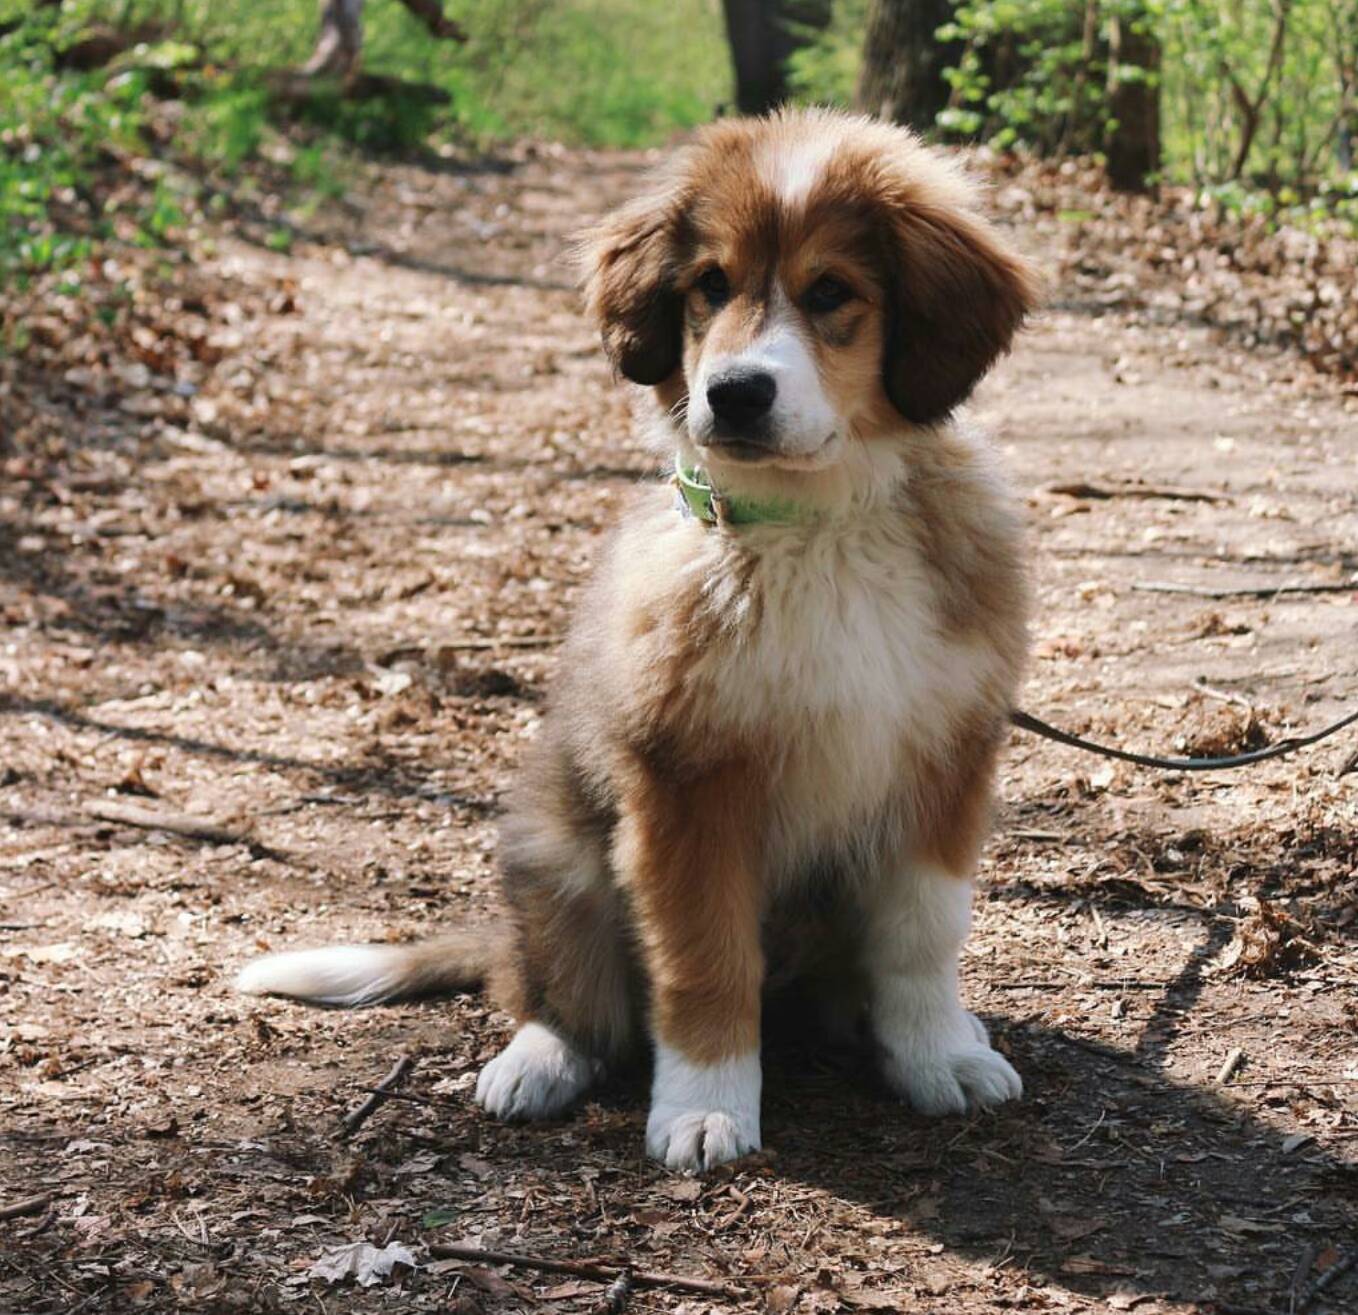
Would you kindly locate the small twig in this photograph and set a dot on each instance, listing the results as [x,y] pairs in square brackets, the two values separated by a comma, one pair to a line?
[1299,1273]
[414,1099]
[41,1226]
[614,1300]
[90,1297]
[1260,591]
[1224,696]
[1102,938]
[1103,492]
[1232,1062]
[1072,984]
[156,819]
[1331,1276]
[1103,1114]
[355,1119]
[509,641]
[32,1205]
[587,1269]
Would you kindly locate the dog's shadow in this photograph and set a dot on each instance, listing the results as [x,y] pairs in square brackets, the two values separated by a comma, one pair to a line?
[1109,1176]
[1108,1179]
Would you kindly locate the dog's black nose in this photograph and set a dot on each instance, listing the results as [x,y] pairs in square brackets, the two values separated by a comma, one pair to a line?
[739,400]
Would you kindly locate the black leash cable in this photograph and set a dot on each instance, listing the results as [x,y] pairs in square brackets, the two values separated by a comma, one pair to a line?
[1025,721]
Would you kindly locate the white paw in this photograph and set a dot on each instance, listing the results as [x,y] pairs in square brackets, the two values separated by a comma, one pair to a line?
[699,1139]
[537,1075]
[951,1069]
[703,1115]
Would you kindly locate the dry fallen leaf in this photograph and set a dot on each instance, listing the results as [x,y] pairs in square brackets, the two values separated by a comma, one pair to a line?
[1125,1300]
[362,1262]
[1092,1265]
[63,952]
[1070,1228]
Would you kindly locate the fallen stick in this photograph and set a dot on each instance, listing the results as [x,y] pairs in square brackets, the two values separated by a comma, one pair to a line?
[1331,1276]
[381,1093]
[508,641]
[1232,1062]
[1224,696]
[1253,591]
[1103,492]
[414,1099]
[1299,1272]
[41,1226]
[31,1205]
[1132,985]
[155,819]
[587,1269]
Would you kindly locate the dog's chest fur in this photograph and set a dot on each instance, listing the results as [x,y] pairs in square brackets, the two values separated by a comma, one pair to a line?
[837,658]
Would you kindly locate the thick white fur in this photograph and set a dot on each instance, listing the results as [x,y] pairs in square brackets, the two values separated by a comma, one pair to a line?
[345,976]
[849,633]
[703,1114]
[793,170]
[934,1053]
[802,416]
[536,1076]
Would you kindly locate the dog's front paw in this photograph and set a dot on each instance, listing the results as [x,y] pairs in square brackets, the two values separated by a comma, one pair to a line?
[703,1115]
[537,1075]
[699,1139]
[951,1069]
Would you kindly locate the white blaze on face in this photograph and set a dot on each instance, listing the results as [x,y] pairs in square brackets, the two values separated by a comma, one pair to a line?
[792,170]
[803,421]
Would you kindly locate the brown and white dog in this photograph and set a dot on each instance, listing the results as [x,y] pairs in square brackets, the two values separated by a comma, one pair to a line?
[770,750]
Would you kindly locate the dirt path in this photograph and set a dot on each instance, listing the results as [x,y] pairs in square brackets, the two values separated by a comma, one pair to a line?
[319,608]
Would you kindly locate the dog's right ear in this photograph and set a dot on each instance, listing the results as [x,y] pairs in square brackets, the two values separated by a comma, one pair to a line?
[630,270]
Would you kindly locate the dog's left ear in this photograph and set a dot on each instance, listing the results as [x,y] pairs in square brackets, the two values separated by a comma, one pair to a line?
[630,291]
[957,296]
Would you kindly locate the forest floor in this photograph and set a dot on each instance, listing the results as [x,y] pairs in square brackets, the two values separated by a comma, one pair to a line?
[310,590]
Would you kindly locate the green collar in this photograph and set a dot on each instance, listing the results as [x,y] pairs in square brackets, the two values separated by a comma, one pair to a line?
[699,499]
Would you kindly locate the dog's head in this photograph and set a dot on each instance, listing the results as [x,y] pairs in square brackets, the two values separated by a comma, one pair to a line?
[802,282]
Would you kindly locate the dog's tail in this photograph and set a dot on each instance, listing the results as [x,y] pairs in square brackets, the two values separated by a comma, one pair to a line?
[351,976]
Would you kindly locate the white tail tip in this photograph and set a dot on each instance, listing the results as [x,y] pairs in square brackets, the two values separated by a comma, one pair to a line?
[344,976]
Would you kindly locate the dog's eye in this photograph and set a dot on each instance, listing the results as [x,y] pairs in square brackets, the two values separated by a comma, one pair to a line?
[713,284]
[827,293]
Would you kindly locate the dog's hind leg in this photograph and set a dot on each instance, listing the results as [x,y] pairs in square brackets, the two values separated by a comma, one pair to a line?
[570,978]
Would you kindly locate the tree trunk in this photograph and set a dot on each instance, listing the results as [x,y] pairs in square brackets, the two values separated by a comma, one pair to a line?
[903,62]
[763,34]
[341,38]
[1134,144]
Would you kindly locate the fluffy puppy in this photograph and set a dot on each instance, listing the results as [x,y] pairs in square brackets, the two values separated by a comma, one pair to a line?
[770,748]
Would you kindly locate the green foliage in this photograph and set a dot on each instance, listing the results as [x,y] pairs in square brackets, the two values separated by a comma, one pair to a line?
[53,131]
[599,72]
[824,71]
[1216,52]
[228,123]
[602,72]
[196,97]
[1038,74]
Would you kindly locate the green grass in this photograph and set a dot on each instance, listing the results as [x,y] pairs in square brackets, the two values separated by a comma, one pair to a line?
[591,72]
[595,72]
